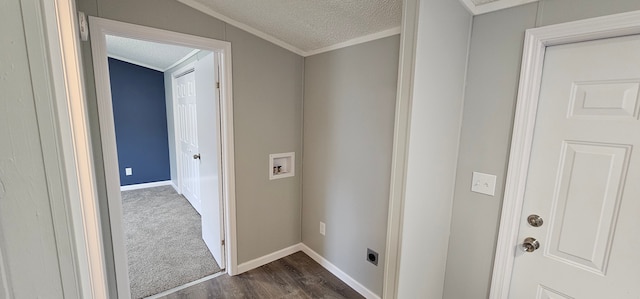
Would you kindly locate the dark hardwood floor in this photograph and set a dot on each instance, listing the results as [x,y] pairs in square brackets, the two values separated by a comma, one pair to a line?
[295,276]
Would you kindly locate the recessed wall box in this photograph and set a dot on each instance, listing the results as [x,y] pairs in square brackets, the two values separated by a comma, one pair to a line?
[282,165]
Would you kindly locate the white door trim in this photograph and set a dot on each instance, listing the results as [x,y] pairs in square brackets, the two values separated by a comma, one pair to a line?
[404,98]
[99,28]
[536,42]
[68,106]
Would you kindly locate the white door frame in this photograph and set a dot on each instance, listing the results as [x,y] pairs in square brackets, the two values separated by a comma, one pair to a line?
[99,28]
[56,28]
[536,42]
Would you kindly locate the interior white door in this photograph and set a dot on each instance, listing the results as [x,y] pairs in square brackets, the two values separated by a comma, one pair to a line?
[583,176]
[211,157]
[185,93]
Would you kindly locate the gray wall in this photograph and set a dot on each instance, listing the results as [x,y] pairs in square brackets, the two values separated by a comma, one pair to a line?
[492,85]
[27,243]
[36,241]
[267,86]
[349,105]
[443,31]
[267,103]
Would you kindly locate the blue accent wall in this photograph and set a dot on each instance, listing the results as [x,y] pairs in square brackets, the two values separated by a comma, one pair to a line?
[140,116]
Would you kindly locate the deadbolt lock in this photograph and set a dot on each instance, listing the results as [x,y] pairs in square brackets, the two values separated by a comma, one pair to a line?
[535,220]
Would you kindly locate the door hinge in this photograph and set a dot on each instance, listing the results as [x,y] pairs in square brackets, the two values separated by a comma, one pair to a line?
[222,242]
[83,26]
[217,84]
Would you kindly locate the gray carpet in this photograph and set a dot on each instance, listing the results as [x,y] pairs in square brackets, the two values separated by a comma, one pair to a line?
[164,241]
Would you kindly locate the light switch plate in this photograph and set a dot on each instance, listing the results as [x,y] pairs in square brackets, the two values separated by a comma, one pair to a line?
[483,183]
[128,171]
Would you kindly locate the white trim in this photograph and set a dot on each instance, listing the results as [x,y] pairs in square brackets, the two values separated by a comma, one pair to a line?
[145,185]
[263,260]
[355,41]
[183,59]
[354,284]
[175,187]
[492,6]
[155,68]
[110,155]
[75,144]
[99,28]
[228,159]
[274,256]
[401,126]
[41,67]
[134,62]
[536,42]
[268,37]
[186,285]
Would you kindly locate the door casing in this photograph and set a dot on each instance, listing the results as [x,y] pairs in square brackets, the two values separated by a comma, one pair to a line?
[99,28]
[536,42]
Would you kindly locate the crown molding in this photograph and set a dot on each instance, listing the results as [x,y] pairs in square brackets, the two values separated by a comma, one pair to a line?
[357,40]
[268,37]
[492,6]
[207,10]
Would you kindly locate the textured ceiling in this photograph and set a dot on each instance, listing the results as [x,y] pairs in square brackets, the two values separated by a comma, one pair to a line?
[307,25]
[148,54]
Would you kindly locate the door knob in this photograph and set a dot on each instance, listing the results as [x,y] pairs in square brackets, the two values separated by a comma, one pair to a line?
[530,244]
[196,156]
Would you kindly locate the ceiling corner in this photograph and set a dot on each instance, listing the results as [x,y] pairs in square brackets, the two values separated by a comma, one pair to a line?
[207,10]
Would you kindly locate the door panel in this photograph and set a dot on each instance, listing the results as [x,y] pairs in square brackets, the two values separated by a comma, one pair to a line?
[547,293]
[210,163]
[590,181]
[605,100]
[581,176]
[187,113]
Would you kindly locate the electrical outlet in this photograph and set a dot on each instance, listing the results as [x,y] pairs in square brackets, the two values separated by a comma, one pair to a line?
[322,228]
[372,256]
[128,171]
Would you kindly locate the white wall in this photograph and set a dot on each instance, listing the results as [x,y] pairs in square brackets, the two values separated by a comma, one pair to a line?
[440,66]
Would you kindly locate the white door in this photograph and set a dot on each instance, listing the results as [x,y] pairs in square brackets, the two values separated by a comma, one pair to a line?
[185,94]
[211,158]
[583,176]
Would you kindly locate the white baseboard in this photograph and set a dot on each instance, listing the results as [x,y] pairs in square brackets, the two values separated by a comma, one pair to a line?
[175,187]
[255,263]
[354,284]
[145,185]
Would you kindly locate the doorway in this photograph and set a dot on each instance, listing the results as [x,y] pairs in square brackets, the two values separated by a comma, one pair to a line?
[215,158]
